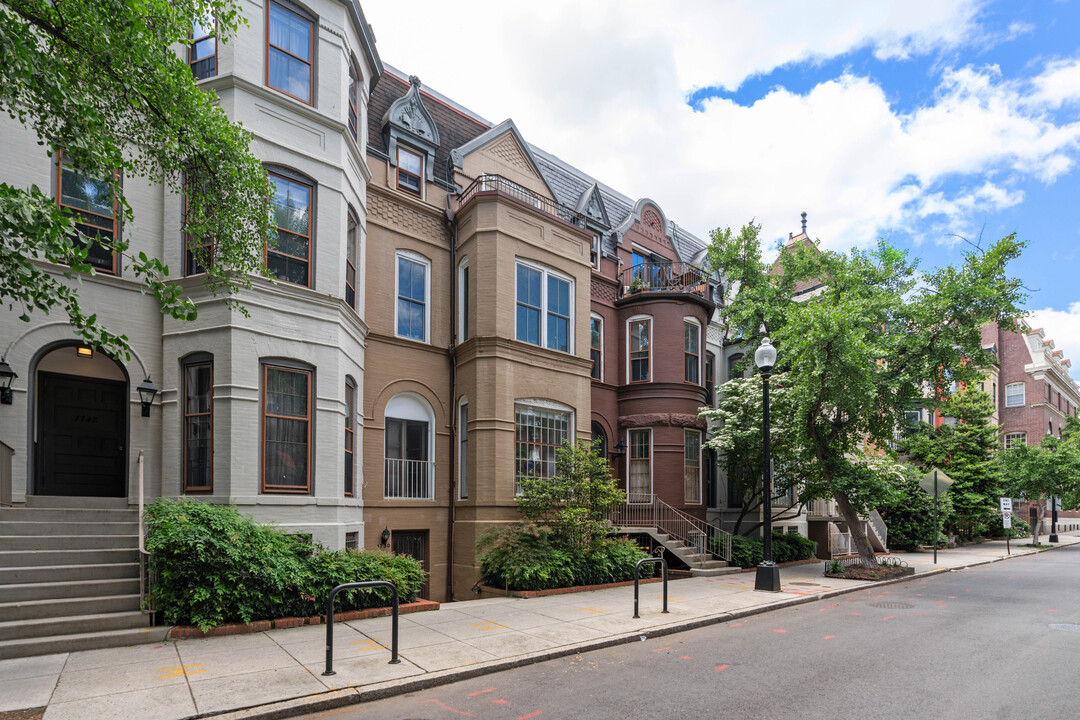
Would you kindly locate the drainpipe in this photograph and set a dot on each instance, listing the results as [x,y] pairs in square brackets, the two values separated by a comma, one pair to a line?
[454,429]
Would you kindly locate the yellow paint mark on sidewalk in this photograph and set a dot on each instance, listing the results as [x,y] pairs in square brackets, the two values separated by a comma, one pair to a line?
[179,671]
[368,644]
[491,625]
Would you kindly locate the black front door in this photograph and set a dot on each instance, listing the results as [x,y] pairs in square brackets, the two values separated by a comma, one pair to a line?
[80,436]
[414,544]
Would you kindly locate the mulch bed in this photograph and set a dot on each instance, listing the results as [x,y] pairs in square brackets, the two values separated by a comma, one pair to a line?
[880,572]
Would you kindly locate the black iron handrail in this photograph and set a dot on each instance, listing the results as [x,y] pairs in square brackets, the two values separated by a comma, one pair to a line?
[677,277]
[330,620]
[637,577]
[498,185]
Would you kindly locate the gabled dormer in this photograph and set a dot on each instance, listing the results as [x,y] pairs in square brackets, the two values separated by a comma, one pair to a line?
[591,206]
[411,139]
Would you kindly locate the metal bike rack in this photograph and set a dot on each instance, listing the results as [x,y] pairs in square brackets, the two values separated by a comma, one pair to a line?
[637,577]
[393,625]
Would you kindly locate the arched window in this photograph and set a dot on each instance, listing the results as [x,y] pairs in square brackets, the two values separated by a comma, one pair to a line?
[599,434]
[409,448]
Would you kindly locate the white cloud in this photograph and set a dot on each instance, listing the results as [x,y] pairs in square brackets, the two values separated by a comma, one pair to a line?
[1063,327]
[1058,84]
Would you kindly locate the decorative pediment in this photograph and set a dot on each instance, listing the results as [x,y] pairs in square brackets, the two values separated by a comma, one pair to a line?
[651,222]
[409,122]
[505,142]
[591,205]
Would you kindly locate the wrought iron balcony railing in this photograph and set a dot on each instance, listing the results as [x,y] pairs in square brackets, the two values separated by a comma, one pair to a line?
[676,277]
[498,185]
[409,479]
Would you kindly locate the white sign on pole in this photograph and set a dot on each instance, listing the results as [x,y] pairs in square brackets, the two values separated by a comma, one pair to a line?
[1006,505]
[1006,519]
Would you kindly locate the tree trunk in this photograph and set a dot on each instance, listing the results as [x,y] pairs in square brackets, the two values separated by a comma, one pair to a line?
[857,526]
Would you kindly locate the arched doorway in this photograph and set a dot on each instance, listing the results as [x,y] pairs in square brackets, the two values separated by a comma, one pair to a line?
[80,425]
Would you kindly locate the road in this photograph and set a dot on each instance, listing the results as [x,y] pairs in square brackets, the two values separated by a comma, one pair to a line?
[976,643]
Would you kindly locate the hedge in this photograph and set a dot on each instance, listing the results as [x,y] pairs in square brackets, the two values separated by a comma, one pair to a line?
[212,566]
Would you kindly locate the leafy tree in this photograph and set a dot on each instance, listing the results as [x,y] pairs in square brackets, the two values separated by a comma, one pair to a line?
[966,453]
[101,81]
[910,516]
[737,430]
[861,347]
[575,502]
[1041,472]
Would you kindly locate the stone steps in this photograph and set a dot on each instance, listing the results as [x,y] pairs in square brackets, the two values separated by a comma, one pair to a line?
[70,577]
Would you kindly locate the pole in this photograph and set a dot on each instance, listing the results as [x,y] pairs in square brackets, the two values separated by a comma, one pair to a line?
[935,516]
[1008,535]
[1053,519]
[768,574]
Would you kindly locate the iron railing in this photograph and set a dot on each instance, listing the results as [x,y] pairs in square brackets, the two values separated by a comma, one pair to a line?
[498,185]
[676,277]
[647,510]
[822,508]
[409,480]
[879,528]
[840,542]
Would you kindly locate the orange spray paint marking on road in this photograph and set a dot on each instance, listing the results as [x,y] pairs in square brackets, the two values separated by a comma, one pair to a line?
[888,617]
[722,668]
[661,649]
[684,657]
[531,715]
[444,706]
[778,630]
[481,692]
[828,637]
[501,702]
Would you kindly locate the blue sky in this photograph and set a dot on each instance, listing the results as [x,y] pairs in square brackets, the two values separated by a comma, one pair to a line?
[918,121]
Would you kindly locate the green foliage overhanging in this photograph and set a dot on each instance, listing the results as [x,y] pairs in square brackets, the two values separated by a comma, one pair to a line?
[215,566]
[861,347]
[101,81]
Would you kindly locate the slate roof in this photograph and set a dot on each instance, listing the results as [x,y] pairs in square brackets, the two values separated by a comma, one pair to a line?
[458,125]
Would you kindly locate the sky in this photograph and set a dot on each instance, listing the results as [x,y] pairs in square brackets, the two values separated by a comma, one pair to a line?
[939,125]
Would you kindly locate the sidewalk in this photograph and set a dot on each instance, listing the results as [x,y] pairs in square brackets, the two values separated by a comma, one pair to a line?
[280,671]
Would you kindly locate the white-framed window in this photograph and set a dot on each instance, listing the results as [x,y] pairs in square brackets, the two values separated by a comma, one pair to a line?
[691,351]
[638,354]
[412,310]
[1013,440]
[1014,395]
[640,488]
[692,466]
[410,171]
[463,300]
[409,448]
[545,307]
[463,449]
[540,429]
[596,346]
[594,254]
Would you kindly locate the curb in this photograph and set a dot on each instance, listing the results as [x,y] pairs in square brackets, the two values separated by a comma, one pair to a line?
[333,699]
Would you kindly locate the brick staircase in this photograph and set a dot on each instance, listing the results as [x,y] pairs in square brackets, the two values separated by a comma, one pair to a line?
[69,577]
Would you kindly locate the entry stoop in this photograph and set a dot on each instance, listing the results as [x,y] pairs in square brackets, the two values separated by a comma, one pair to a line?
[69,577]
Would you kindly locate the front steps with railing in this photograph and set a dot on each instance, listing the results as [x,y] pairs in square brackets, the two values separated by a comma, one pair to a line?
[702,547]
[70,577]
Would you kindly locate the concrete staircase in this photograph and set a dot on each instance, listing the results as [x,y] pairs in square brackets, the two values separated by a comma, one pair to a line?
[700,563]
[69,577]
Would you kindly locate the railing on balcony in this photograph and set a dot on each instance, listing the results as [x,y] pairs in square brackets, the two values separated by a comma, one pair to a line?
[498,185]
[678,277]
[409,480]
[822,508]
[645,510]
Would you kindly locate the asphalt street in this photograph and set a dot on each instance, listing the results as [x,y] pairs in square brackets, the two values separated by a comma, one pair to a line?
[995,641]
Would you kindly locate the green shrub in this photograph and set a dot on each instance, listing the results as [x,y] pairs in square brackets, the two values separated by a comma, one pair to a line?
[791,547]
[526,557]
[749,552]
[746,552]
[215,566]
[1020,528]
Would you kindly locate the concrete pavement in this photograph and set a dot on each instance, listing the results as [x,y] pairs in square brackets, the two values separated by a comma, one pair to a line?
[278,673]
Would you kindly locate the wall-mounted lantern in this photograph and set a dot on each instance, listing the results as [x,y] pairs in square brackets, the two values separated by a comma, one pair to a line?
[7,376]
[618,451]
[147,391]
[385,537]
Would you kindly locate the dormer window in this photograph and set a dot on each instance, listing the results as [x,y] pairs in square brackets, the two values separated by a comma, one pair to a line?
[410,171]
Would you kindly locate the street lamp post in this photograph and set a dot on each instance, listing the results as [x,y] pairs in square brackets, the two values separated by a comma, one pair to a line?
[768,574]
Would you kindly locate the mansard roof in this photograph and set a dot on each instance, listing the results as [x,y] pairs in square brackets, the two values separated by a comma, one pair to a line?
[462,130]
